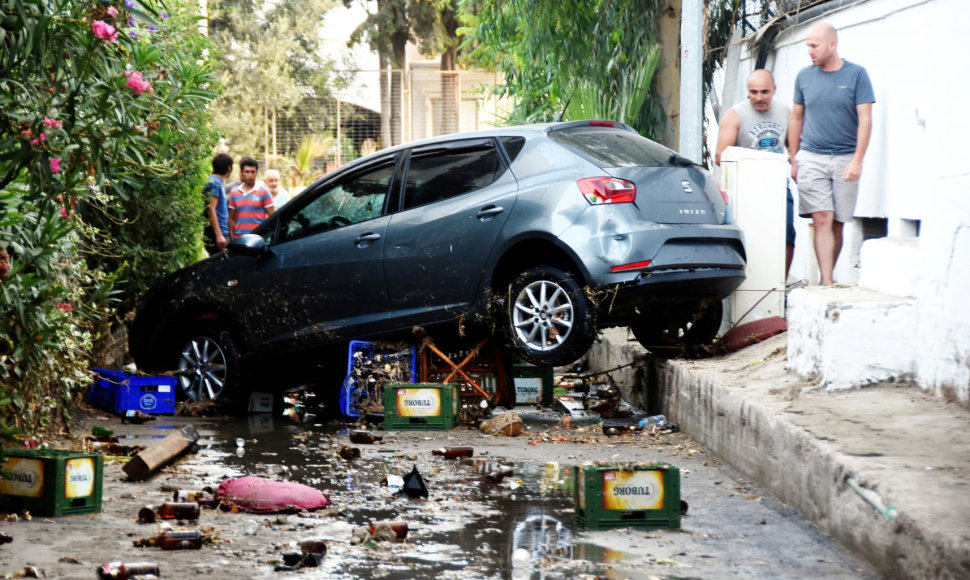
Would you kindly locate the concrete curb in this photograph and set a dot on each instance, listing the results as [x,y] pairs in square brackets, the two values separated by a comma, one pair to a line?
[801,443]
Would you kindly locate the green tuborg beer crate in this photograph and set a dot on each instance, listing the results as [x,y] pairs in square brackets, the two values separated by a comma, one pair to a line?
[620,495]
[51,482]
[421,406]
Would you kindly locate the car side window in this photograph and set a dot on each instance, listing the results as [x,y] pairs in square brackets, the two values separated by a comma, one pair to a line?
[355,199]
[436,174]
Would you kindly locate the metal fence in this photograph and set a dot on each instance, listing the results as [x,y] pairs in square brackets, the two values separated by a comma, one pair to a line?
[378,109]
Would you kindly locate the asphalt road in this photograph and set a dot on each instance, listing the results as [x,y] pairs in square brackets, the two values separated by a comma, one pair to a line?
[468,527]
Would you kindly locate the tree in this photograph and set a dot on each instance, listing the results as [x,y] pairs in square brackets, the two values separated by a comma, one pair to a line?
[552,52]
[272,61]
[103,129]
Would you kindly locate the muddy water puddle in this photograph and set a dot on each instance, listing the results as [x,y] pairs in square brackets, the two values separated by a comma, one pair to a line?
[469,527]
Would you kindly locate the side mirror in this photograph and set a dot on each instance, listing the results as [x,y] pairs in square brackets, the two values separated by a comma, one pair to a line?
[249,245]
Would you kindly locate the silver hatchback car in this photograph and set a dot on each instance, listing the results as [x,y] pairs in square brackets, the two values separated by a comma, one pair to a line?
[544,232]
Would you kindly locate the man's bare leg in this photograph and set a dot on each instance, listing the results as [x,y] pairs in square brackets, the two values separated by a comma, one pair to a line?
[828,242]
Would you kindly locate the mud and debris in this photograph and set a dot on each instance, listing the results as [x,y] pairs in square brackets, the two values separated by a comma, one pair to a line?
[505,511]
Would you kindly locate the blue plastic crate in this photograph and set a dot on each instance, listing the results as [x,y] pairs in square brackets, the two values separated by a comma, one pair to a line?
[120,391]
[360,351]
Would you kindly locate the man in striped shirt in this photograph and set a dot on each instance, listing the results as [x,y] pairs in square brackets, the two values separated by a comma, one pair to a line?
[249,203]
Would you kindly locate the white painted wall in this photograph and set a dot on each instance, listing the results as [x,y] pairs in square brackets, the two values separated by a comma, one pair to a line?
[943,289]
[915,53]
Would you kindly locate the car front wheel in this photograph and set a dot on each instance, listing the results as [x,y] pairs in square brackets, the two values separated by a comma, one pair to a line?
[549,318]
[208,364]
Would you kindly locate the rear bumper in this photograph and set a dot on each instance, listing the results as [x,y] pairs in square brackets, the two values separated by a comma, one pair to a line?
[664,289]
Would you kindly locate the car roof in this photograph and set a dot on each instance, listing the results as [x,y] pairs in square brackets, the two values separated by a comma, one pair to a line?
[528,131]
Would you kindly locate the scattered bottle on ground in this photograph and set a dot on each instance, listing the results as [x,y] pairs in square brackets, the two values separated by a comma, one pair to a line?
[146,515]
[349,453]
[454,452]
[100,431]
[169,540]
[136,417]
[658,421]
[618,428]
[119,571]
[360,436]
[202,497]
[187,510]
[497,475]
[383,530]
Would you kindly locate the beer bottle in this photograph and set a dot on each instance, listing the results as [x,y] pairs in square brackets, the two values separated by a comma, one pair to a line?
[454,452]
[169,540]
[361,436]
[100,431]
[383,530]
[187,510]
[497,475]
[349,453]
[146,515]
[119,571]
[619,427]
[136,417]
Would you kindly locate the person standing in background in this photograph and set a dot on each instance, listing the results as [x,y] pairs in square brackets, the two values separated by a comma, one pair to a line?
[216,233]
[759,123]
[829,130]
[271,179]
[250,203]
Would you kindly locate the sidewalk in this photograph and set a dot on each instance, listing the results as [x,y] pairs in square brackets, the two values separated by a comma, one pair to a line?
[821,452]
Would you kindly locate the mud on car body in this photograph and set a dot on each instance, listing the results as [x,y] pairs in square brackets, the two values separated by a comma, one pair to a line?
[550,232]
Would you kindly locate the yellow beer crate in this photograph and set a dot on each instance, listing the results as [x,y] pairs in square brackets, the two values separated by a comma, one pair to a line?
[51,482]
[430,406]
[620,495]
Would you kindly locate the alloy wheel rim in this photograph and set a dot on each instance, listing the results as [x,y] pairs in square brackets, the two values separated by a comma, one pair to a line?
[542,315]
[202,369]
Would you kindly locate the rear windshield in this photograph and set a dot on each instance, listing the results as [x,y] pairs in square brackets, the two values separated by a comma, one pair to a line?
[613,147]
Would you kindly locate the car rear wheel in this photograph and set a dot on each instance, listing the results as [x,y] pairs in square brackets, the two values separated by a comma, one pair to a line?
[671,334]
[549,318]
[208,364]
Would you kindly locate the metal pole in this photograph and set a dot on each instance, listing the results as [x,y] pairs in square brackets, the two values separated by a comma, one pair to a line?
[338,133]
[691,79]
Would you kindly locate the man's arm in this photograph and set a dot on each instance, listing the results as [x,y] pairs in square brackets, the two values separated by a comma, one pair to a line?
[795,135]
[232,223]
[854,169]
[214,222]
[727,133]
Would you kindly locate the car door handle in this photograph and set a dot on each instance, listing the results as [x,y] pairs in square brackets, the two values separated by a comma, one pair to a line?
[489,212]
[364,239]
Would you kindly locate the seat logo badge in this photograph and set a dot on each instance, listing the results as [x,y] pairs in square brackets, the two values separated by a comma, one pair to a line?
[687,188]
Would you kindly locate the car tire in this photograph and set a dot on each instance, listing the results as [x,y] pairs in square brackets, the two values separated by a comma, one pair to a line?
[549,319]
[208,364]
[671,335]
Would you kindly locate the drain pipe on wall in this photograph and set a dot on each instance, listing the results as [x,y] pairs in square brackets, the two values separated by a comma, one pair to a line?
[873,499]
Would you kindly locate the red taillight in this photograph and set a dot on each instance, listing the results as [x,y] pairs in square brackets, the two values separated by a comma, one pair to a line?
[723,195]
[602,124]
[630,266]
[598,190]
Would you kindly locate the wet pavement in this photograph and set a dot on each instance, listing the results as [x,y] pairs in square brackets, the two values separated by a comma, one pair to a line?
[469,527]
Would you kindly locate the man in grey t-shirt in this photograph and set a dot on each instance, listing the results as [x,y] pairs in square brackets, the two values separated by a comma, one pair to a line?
[759,123]
[831,122]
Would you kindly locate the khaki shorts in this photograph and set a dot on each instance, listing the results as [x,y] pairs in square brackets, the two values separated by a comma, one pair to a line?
[821,187]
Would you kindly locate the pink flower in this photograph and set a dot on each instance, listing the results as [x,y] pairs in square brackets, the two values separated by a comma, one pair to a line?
[104,31]
[112,11]
[37,140]
[53,123]
[136,83]
[55,165]
[63,212]
[64,306]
